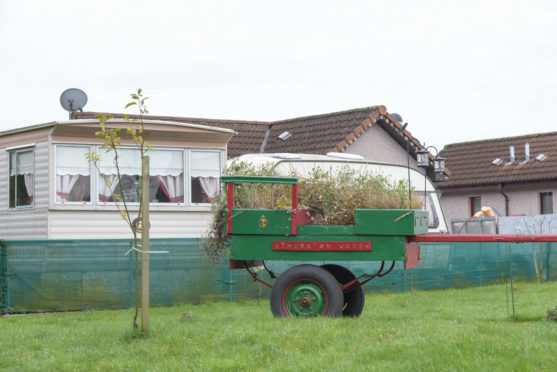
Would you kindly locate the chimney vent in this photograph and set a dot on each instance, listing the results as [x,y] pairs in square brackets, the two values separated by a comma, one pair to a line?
[511,149]
[526,153]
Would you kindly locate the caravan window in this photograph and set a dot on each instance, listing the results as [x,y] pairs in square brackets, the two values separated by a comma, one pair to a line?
[205,175]
[433,219]
[166,171]
[22,178]
[73,174]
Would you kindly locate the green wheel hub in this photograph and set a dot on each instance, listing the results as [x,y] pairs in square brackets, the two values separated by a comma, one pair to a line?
[305,297]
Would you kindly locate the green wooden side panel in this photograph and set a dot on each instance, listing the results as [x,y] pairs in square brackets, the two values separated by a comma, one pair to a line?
[250,247]
[391,221]
[261,222]
[326,230]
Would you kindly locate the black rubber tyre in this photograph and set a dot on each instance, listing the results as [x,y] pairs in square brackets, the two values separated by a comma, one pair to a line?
[355,300]
[305,291]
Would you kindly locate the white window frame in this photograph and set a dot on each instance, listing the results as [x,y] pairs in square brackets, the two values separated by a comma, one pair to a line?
[221,167]
[95,178]
[91,170]
[184,203]
[16,151]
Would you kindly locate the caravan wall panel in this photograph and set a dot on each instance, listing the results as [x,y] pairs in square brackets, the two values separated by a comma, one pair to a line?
[95,224]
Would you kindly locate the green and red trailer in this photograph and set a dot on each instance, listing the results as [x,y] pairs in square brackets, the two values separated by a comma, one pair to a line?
[331,289]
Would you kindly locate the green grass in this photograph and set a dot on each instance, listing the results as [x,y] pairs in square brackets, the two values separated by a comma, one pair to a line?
[466,329]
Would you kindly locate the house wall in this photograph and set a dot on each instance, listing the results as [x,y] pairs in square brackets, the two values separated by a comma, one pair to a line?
[377,145]
[523,200]
[457,205]
[26,223]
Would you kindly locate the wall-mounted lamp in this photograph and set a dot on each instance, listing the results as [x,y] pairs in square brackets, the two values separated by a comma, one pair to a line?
[422,158]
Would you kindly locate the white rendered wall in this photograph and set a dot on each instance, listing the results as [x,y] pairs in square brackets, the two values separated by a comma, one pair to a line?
[376,144]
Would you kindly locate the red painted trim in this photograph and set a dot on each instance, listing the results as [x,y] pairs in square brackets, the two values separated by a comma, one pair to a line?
[308,280]
[318,246]
[464,238]
[411,255]
[294,228]
[229,206]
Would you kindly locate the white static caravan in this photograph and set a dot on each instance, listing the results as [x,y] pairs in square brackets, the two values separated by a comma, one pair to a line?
[48,190]
[302,164]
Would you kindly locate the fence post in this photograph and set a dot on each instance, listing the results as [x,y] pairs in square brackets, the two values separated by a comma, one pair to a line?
[4,299]
[548,261]
[145,244]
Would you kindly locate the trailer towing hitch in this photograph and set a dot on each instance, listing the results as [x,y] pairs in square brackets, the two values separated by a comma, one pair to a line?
[256,279]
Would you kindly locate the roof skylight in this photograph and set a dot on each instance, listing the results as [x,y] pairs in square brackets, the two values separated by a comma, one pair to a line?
[284,135]
[541,157]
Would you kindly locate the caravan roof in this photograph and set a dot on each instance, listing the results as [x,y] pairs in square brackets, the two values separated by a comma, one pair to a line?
[302,164]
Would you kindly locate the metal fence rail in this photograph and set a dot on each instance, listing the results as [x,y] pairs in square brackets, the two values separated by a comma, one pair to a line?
[63,275]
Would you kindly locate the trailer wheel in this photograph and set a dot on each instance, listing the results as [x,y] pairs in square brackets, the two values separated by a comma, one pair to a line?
[354,300]
[305,291]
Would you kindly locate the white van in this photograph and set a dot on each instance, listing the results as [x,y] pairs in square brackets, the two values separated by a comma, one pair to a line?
[302,164]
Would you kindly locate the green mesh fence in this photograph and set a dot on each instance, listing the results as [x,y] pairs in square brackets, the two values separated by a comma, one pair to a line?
[62,275]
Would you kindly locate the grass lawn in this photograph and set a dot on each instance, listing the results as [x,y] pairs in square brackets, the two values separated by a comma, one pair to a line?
[464,329]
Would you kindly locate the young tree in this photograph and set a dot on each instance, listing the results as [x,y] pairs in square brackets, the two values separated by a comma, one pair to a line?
[112,143]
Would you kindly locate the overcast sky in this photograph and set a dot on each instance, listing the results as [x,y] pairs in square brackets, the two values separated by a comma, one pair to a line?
[455,70]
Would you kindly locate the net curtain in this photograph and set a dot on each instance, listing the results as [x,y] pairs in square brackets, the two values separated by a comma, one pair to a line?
[165,165]
[70,164]
[206,169]
[24,163]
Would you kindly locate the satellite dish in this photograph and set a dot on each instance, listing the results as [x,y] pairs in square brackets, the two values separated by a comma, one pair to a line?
[73,99]
[397,117]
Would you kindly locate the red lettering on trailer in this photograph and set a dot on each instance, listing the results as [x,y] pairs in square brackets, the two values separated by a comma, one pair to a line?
[314,246]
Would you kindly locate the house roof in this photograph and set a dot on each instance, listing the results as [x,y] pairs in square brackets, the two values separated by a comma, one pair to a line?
[318,134]
[472,163]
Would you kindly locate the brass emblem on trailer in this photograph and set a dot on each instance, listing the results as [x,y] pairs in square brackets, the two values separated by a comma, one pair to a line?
[263,222]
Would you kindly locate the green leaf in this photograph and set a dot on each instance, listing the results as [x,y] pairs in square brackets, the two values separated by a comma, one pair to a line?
[139,92]
[131,104]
